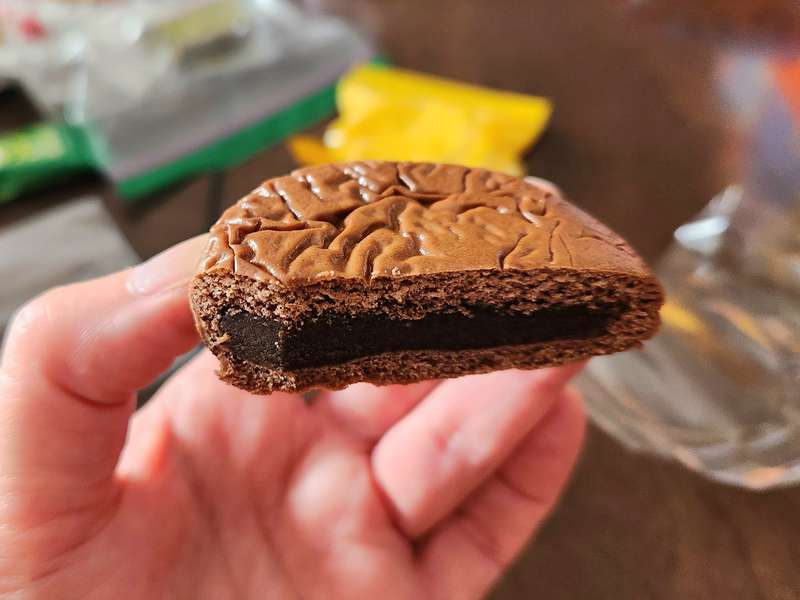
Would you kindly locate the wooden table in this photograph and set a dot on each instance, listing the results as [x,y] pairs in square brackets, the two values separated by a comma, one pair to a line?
[635,141]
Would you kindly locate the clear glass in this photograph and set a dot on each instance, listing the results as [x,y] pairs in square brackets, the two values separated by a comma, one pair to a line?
[719,387]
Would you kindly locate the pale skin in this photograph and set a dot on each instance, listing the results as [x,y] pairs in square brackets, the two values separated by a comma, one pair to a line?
[400,492]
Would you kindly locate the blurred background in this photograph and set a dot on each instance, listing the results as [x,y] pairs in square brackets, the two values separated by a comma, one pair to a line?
[127,126]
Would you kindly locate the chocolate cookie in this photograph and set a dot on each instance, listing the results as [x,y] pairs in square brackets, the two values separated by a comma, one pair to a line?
[397,272]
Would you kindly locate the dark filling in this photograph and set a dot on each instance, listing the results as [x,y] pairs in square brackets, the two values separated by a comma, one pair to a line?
[340,338]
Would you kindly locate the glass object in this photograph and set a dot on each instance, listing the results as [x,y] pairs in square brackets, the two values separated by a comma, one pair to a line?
[719,387]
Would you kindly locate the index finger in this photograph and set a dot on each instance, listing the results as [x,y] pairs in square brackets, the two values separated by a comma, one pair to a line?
[73,361]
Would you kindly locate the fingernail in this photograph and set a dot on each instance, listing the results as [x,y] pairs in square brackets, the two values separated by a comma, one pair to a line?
[169,269]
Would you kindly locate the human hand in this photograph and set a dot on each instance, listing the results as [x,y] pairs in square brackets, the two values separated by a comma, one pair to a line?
[406,492]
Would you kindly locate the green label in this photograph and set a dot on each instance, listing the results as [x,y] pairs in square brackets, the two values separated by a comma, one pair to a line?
[39,156]
[32,145]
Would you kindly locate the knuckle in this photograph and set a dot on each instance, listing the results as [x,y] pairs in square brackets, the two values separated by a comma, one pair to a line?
[39,313]
[485,541]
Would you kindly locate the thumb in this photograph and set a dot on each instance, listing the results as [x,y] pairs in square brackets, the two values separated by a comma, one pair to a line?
[73,361]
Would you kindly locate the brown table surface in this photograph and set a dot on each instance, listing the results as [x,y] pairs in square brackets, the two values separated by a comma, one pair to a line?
[634,141]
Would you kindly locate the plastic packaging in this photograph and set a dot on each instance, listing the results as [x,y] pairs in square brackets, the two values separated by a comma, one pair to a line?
[40,155]
[165,90]
[392,114]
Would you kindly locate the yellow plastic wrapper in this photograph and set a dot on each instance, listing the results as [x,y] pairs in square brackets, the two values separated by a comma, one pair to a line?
[393,114]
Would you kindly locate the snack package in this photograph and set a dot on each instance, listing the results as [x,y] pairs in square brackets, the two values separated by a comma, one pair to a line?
[41,153]
[150,92]
[387,113]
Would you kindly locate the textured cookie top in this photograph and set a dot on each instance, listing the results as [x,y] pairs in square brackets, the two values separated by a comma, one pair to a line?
[383,219]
